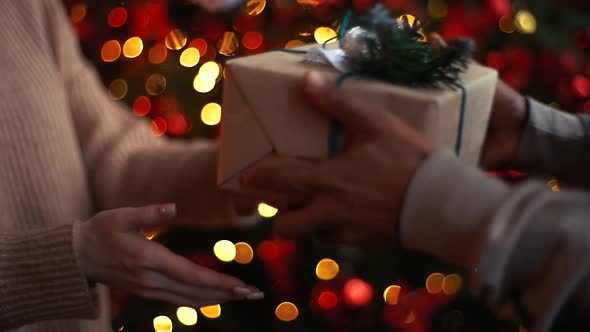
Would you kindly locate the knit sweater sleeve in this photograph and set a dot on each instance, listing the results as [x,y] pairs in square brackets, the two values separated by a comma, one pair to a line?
[525,246]
[127,165]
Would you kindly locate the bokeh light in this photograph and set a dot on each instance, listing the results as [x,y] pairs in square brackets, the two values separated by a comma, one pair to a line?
[412,21]
[157,54]
[437,8]
[163,323]
[210,70]
[200,44]
[328,300]
[187,316]
[224,250]
[294,43]
[286,311]
[323,34]
[451,284]
[110,51]
[357,292]
[155,84]
[244,253]
[255,7]
[203,84]
[133,47]
[117,17]
[252,40]
[391,294]
[211,312]
[506,24]
[78,12]
[175,39]
[267,211]
[525,22]
[211,114]
[142,106]
[159,126]
[434,283]
[410,317]
[327,269]
[118,89]
[228,44]
[190,57]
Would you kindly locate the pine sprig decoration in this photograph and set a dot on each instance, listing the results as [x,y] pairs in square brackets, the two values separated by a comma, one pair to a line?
[396,52]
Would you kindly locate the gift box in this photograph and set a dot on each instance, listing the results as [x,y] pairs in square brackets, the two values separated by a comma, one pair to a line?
[265,113]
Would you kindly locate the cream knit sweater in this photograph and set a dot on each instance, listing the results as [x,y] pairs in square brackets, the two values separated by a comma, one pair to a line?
[68,151]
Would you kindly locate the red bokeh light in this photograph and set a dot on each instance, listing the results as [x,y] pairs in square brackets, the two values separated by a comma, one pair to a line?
[159,126]
[117,17]
[495,60]
[327,300]
[268,251]
[177,124]
[357,292]
[142,106]
[200,44]
[581,86]
[252,40]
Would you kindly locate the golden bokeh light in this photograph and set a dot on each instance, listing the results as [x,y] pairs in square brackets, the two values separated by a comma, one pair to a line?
[210,70]
[133,47]
[190,57]
[211,114]
[437,8]
[118,89]
[311,3]
[327,269]
[244,253]
[506,24]
[78,12]
[554,185]
[203,84]
[163,323]
[412,21]
[391,294]
[157,54]
[451,284]
[286,311]
[155,84]
[187,316]
[254,7]
[211,312]
[224,250]
[294,43]
[434,283]
[525,22]
[175,39]
[267,211]
[228,44]
[323,34]
[110,51]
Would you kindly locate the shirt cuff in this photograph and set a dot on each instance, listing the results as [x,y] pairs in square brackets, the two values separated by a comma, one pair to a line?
[447,208]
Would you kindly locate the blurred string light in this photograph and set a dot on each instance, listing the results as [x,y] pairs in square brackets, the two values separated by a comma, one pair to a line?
[224,250]
[133,47]
[200,44]
[327,269]
[244,253]
[357,292]
[187,316]
[155,84]
[117,17]
[121,328]
[294,43]
[157,54]
[175,39]
[163,323]
[554,185]
[252,40]
[190,57]
[391,294]
[142,106]
[78,12]
[410,317]
[437,8]
[206,78]
[328,300]
[525,22]
[323,34]
[506,24]
[451,284]
[211,312]
[286,311]
[434,283]
[228,43]
[254,7]
[211,114]
[110,51]
[159,126]
[267,211]
[118,89]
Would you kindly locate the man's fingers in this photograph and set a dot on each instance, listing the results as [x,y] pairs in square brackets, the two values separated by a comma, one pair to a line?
[353,113]
[282,175]
[305,221]
[144,217]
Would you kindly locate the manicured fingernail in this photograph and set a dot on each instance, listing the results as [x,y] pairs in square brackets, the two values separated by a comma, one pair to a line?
[168,210]
[255,296]
[239,290]
[316,80]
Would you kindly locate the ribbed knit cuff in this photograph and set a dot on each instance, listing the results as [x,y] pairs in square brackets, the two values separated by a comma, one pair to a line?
[40,278]
[447,207]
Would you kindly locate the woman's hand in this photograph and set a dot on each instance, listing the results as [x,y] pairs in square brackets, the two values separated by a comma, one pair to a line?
[112,249]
